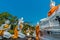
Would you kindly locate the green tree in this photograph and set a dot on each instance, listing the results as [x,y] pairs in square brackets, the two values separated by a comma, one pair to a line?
[6,16]
[3,17]
[26,26]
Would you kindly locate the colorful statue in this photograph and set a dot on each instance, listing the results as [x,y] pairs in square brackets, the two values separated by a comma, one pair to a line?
[20,22]
[4,30]
[15,35]
[20,26]
[37,32]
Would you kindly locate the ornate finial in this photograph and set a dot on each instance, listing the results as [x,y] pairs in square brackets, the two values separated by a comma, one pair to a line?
[52,3]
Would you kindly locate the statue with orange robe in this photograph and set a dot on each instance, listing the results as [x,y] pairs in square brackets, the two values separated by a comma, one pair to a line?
[37,32]
[20,24]
[15,35]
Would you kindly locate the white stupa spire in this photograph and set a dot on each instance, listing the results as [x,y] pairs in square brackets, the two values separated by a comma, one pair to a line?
[52,3]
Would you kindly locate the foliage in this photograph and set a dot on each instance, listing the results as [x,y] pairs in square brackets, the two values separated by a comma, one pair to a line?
[11,31]
[25,28]
[6,16]
[14,21]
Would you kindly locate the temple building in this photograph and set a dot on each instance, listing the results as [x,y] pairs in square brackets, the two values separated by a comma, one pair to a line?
[52,21]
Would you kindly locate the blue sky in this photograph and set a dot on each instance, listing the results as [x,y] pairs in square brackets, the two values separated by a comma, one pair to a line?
[31,10]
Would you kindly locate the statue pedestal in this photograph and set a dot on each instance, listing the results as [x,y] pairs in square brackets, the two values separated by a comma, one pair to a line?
[0,37]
